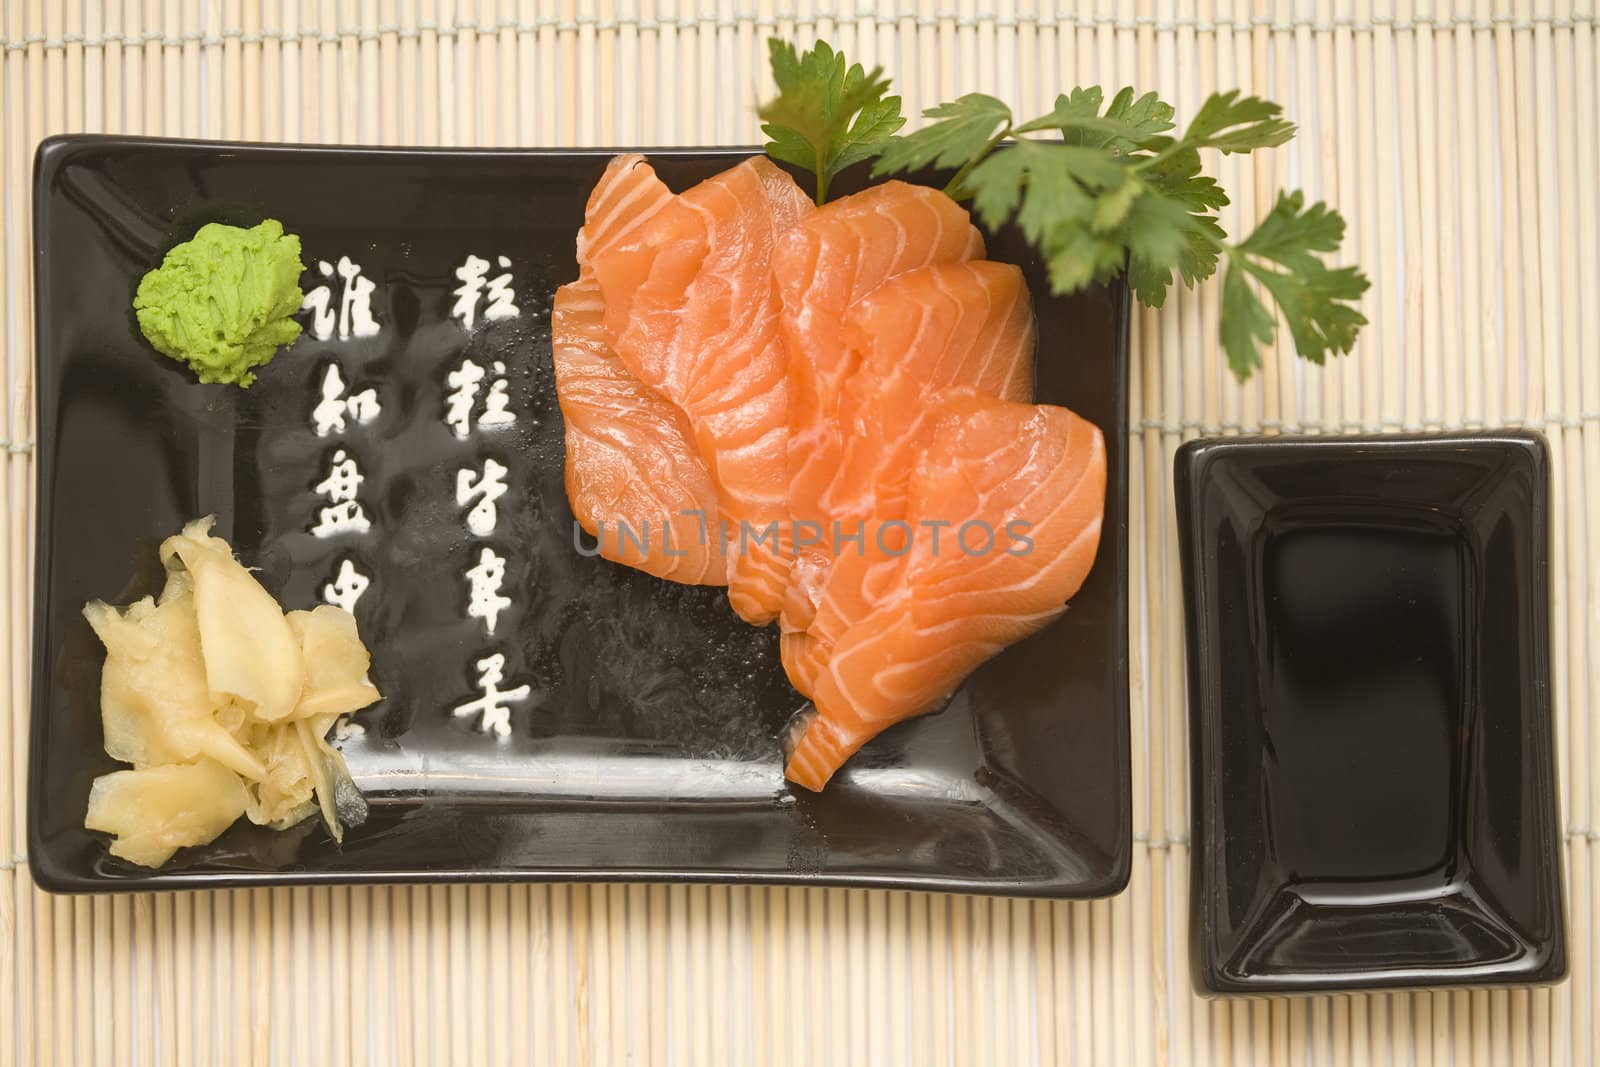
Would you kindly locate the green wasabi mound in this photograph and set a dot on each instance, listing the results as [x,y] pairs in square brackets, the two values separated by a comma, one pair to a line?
[224,301]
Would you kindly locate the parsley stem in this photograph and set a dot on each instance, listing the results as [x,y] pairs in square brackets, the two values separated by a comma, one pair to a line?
[953,189]
[1146,162]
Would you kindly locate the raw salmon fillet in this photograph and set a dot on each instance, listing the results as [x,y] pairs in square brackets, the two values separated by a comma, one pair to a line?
[957,324]
[824,265]
[631,458]
[939,614]
[828,411]
[967,324]
[691,308]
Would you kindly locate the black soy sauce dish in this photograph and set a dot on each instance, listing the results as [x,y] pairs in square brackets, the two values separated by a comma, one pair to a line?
[1374,791]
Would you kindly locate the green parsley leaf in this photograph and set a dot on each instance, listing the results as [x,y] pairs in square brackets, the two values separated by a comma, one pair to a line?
[871,130]
[1118,193]
[827,115]
[1246,324]
[1233,123]
[1059,192]
[1127,124]
[1178,176]
[1290,236]
[1164,237]
[1113,206]
[1052,182]
[1316,300]
[1077,256]
[965,131]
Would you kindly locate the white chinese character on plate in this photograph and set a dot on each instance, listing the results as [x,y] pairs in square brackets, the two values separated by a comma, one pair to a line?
[497,405]
[493,706]
[484,600]
[353,317]
[346,588]
[470,291]
[463,383]
[502,300]
[473,275]
[484,488]
[329,414]
[344,513]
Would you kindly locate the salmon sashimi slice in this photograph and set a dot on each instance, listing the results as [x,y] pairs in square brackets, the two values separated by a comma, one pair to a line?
[803,658]
[1036,476]
[824,264]
[963,324]
[691,308]
[627,196]
[954,325]
[634,476]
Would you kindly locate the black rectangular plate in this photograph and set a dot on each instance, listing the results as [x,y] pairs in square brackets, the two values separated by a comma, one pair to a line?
[1373,756]
[651,749]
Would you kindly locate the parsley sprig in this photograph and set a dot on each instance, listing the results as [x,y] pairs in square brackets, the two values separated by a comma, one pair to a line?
[827,115]
[1116,190]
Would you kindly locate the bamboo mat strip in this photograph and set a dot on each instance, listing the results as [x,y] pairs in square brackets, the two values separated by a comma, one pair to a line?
[1459,137]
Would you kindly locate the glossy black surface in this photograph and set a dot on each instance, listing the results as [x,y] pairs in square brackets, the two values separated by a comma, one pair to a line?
[1374,791]
[651,749]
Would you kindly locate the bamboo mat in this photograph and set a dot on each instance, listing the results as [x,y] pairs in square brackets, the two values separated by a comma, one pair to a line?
[1460,139]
